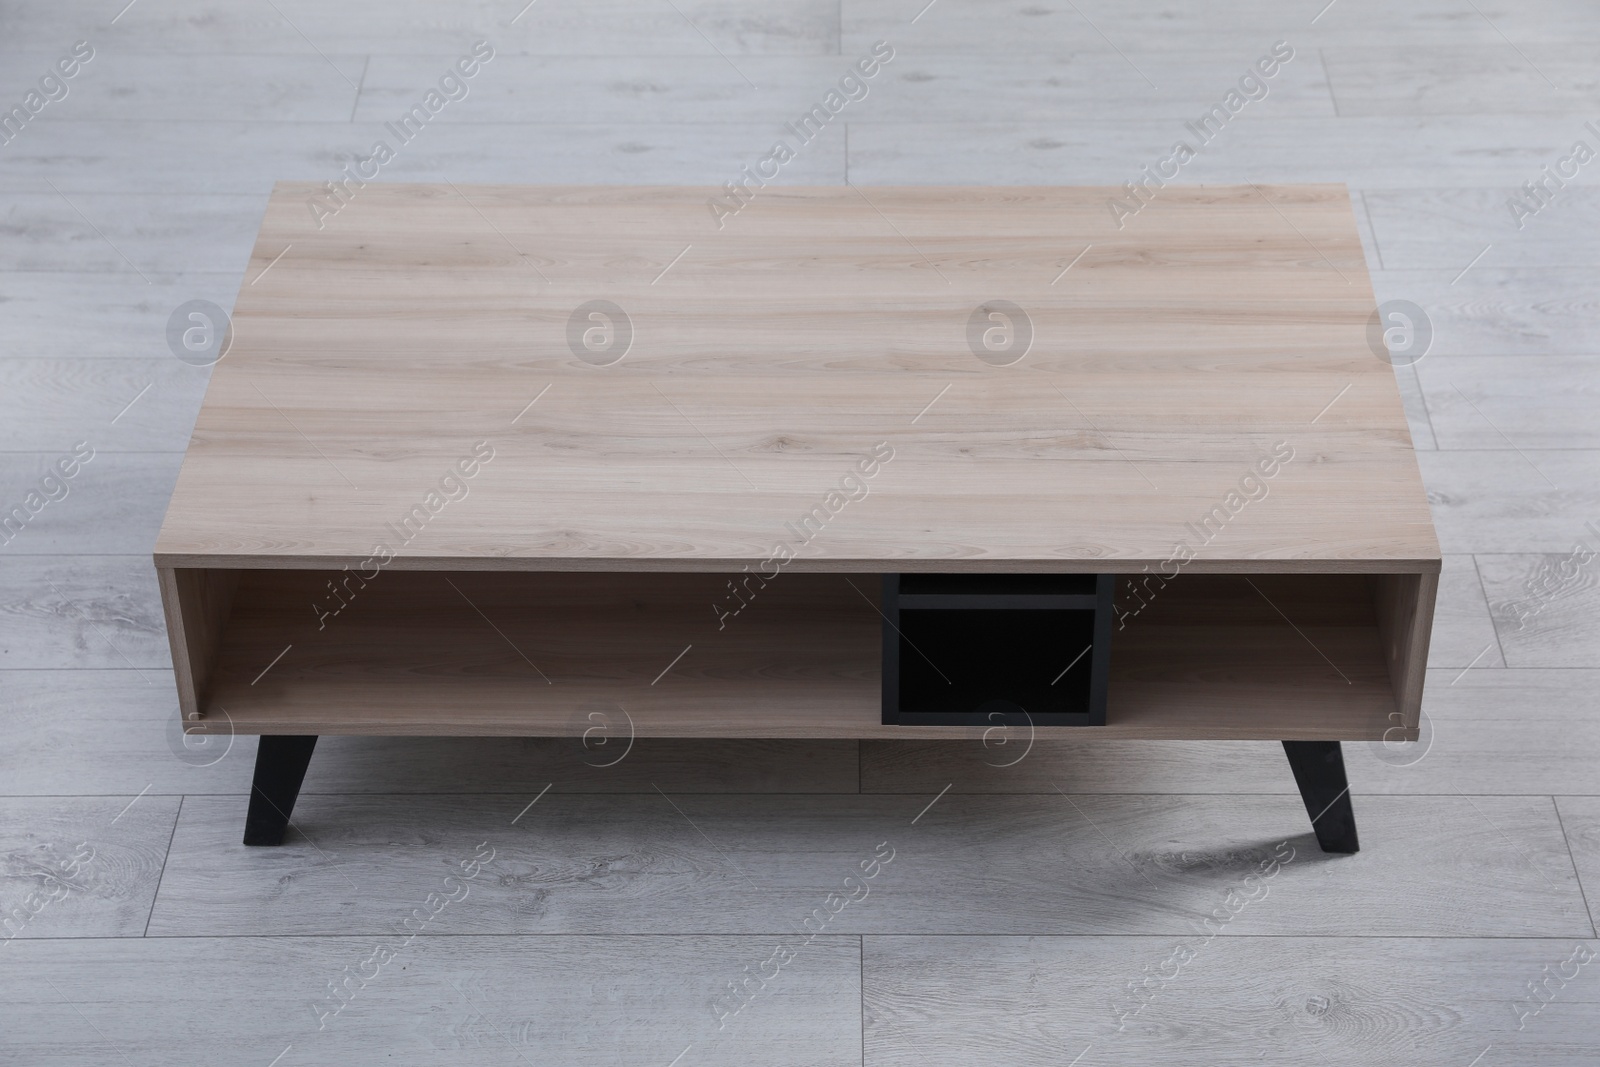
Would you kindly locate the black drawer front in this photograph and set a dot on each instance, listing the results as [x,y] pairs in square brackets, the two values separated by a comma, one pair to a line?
[1006,649]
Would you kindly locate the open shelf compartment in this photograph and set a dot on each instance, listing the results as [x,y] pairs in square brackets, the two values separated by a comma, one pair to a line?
[1225,656]
[996,649]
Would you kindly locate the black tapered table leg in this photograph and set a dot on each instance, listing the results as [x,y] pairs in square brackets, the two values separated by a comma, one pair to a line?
[1319,772]
[281,763]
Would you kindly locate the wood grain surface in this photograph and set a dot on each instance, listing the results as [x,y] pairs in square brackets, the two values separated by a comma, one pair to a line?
[81,866]
[1236,1002]
[373,349]
[1039,864]
[455,1001]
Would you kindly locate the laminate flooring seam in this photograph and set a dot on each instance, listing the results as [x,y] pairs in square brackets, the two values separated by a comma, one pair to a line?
[1582,892]
[1333,98]
[164,857]
[1483,591]
[366,65]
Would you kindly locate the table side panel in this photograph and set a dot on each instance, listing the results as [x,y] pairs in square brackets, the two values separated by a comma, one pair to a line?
[1405,621]
[197,605]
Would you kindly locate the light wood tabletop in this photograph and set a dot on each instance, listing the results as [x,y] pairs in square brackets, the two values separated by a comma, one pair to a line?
[437,380]
[1031,387]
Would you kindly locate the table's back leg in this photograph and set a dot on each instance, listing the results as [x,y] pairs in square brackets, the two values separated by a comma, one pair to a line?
[1319,772]
[281,763]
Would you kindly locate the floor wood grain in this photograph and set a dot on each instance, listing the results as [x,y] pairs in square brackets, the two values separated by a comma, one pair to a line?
[971,26]
[1553,407]
[139,234]
[1463,633]
[81,611]
[108,157]
[110,732]
[1483,309]
[1430,152]
[970,864]
[121,405]
[102,315]
[1444,229]
[910,87]
[120,83]
[418,27]
[1545,616]
[1418,416]
[112,505]
[1462,79]
[497,1001]
[81,866]
[1511,500]
[1235,1001]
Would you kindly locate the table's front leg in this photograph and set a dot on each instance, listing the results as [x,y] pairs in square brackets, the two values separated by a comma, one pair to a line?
[1319,772]
[281,763]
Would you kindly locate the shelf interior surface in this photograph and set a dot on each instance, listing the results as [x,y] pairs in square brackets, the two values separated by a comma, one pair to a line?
[676,655]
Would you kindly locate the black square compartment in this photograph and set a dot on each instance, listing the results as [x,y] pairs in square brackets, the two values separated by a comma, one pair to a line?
[978,649]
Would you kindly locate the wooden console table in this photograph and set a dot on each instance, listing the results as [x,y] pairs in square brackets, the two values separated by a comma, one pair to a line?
[498,460]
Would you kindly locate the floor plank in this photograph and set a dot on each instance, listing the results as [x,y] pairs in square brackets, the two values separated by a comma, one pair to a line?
[909,88]
[1488,732]
[410,27]
[1495,402]
[1418,417]
[1545,606]
[700,87]
[110,732]
[1227,1001]
[122,405]
[495,1001]
[141,234]
[1462,79]
[973,26]
[118,83]
[100,315]
[81,866]
[81,611]
[971,864]
[113,504]
[1463,633]
[141,156]
[1444,229]
[1483,309]
[1389,152]
[1508,501]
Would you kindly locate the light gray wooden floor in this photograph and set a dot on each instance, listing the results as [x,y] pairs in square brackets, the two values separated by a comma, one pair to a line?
[1023,905]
